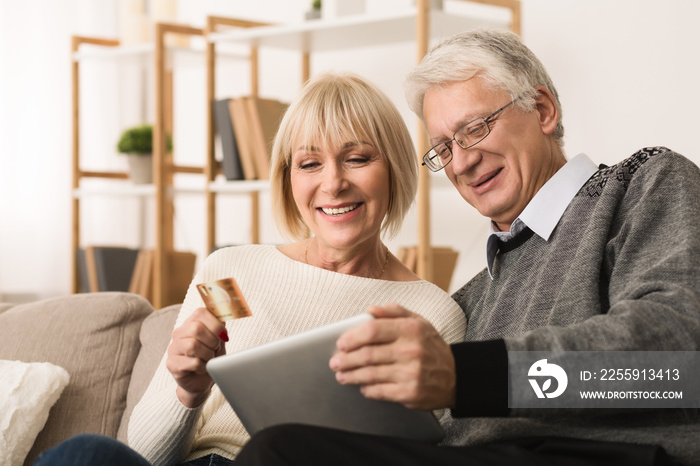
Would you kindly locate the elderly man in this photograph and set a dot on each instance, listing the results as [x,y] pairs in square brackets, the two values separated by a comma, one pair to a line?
[580,258]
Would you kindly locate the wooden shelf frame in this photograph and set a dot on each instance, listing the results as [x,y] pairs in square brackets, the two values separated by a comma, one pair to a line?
[164,167]
[213,167]
[77,172]
[301,37]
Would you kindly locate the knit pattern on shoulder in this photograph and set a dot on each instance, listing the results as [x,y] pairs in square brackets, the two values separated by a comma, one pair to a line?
[621,172]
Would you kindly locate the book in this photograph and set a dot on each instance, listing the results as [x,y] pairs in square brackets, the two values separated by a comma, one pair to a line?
[87,275]
[115,266]
[142,273]
[180,273]
[107,268]
[401,254]
[411,258]
[180,266]
[265,116]
[91,267]
[230,162]
[444,262]
[241,128]
[145,284]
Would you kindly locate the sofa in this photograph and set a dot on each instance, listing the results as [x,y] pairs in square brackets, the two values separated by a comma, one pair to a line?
[109,343]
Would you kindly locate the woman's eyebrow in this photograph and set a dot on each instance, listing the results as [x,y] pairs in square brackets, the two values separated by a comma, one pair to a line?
[306,148]
[351,144]
[345,146]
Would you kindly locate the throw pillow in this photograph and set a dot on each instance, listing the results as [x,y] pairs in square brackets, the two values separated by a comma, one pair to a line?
[27,393]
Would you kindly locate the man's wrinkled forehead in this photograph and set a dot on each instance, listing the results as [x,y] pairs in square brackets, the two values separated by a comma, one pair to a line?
[480,102]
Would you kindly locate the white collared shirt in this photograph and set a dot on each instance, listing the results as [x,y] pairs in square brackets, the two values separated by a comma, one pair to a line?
[543,212]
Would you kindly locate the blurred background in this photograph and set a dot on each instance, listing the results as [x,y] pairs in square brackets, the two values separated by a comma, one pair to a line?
[626,72]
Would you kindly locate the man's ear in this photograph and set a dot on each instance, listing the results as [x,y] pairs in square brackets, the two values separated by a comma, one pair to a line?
[547,110]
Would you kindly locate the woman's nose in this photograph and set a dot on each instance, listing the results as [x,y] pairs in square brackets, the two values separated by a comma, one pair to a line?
[334,180]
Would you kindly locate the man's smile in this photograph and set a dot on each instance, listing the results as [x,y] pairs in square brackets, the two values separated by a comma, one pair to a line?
[485,182]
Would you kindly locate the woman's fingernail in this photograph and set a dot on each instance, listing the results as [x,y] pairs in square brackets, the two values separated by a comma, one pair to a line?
[224,335]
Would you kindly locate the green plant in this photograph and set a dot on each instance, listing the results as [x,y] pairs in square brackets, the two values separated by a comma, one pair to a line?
[139,140]
[316,4]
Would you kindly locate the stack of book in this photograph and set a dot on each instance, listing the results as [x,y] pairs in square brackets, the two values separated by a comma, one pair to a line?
[115,268]
[444,261]
[247,127]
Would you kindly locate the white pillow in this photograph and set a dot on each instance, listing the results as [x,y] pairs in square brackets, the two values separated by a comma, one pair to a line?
[27,392]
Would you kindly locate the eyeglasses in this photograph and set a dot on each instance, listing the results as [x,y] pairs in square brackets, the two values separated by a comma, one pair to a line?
[467,136]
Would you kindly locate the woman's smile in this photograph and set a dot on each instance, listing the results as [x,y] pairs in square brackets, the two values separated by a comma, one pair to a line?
[334,212]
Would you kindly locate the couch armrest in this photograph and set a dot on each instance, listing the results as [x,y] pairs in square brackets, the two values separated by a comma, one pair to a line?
[155,337]
[93,336]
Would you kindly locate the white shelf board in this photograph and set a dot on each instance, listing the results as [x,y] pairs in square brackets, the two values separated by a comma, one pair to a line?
[125,189]
[239,187]
[144,51]
[128,190]
[350,31]
[90,51]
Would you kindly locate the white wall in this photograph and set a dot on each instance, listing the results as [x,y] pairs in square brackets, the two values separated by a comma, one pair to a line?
[35,140]
[625,70]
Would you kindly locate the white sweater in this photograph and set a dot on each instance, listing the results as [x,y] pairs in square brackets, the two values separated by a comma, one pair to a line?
[286,297]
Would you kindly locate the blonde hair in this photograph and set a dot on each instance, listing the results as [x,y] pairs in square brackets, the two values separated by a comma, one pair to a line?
[330,109]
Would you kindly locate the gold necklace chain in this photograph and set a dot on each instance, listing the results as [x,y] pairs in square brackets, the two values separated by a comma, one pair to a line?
[386,260]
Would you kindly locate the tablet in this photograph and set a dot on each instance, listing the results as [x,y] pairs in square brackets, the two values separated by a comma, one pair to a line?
[289,381]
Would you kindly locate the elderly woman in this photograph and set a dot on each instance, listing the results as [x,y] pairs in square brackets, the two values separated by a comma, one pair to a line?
[343,172]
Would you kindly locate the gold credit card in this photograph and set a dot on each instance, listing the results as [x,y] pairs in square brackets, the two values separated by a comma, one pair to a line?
[224,299]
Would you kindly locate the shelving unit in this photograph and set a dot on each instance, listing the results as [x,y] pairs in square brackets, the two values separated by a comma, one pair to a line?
[412,25]
[164,169]
[409,25]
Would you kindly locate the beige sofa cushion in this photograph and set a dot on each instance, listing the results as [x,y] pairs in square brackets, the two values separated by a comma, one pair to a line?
[6,306]
[94,337]
[155,337]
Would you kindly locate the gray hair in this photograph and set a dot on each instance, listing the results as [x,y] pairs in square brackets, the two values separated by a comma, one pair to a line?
[498,57]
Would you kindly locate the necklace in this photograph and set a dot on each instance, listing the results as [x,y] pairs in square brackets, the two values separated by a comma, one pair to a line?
[386,260]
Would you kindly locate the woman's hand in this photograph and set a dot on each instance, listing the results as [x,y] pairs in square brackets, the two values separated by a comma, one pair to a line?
[200,338]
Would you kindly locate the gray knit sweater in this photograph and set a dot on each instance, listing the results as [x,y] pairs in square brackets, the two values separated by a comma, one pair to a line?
[621,271]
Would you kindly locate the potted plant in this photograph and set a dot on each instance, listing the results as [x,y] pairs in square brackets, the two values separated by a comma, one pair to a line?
[315,11]
[137,144]
[337,8]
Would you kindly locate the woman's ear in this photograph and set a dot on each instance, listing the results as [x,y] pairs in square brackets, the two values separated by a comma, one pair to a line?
[547,110]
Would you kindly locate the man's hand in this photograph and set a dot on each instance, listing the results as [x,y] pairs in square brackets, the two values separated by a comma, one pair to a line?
[200,338]
[399,356]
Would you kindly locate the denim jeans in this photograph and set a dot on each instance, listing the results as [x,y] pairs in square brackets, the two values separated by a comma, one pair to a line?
[91,449]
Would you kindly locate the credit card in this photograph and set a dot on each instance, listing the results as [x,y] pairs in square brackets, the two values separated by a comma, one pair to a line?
[224,299]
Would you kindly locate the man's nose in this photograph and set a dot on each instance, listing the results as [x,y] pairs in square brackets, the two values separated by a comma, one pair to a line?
[464,160]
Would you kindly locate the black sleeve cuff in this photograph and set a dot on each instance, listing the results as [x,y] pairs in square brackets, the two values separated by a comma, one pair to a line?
[482,379]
